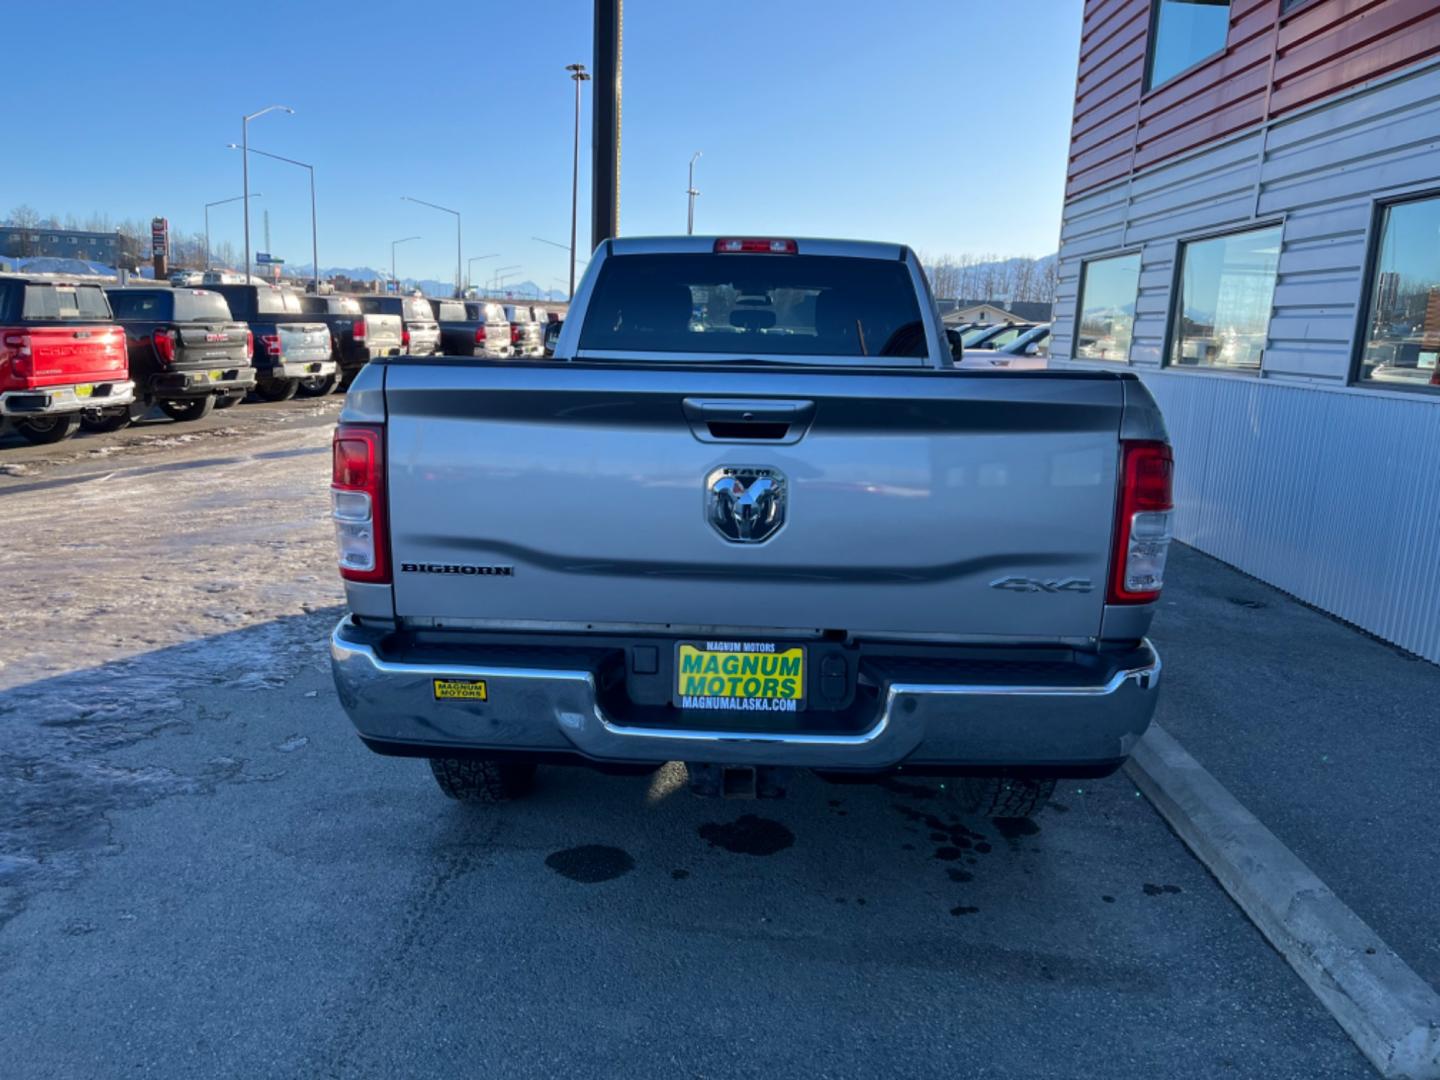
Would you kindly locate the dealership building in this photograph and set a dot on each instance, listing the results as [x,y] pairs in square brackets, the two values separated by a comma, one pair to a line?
[1252,226]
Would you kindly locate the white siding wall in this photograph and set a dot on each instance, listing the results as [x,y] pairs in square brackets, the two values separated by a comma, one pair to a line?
[1332,494]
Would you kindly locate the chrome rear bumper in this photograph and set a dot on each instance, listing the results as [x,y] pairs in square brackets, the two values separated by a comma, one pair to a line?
[556,710]
[49,400]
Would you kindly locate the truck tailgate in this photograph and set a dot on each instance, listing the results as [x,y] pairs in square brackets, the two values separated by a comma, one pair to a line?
[585,494]
[76,354]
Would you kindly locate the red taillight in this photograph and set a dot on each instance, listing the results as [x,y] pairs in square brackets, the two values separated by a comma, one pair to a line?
[1142,522]
[164,345]
[359,330]
[249,343]
[514,333]
[480,334]
[756,246]
[17,345]
[271,343]
[357,498]
[405,337]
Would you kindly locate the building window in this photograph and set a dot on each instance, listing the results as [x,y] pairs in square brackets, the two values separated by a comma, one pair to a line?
[1182,33]
[1106,311]
[1401,340]
[1227,285]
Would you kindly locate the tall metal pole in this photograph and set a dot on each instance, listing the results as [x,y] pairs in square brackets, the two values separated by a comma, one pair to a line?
[245,171]
[458,258]
[690,191]
[245,189]
[314,244]
[221,202]
[605,114]
[314,235]
[577,73]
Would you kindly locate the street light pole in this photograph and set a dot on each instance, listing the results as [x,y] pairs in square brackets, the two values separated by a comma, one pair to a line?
[495,277]
[314,242]
[245,172]
[577,73]
[394,281]
[472,261]
[690,218]
[437,206]
[220,202]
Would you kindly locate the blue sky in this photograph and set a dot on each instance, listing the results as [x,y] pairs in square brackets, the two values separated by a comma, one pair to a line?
[939,123]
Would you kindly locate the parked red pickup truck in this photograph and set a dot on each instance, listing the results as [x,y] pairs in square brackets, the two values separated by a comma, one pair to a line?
[61,355]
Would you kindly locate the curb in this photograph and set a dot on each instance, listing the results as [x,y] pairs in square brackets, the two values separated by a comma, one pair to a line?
[1392,1014]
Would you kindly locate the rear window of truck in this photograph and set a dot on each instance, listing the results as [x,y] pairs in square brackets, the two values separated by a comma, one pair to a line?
[277,302]
[418,310]
[141,305]
[198,305]
[79,302]
[379,305]
[755,305]
[448,312]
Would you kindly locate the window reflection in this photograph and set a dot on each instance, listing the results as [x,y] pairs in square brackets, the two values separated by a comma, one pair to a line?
[1184,33]
[1227,286]
[1402,332]
[1107,308]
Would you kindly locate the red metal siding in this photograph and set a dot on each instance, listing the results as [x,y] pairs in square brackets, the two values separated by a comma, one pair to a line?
[1269,65]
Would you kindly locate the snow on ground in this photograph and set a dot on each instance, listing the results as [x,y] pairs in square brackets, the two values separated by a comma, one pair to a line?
[124,591]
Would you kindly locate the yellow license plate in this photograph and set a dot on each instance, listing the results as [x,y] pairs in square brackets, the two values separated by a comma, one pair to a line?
[460,690]
[85,391]
[215,375]
[740,676]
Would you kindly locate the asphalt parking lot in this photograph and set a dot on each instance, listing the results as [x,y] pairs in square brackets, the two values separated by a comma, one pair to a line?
[204,873]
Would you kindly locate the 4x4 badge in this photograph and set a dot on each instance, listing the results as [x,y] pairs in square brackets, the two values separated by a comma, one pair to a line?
[1025,584]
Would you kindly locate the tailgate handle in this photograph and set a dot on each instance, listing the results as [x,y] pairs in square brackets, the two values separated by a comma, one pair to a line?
[770,420]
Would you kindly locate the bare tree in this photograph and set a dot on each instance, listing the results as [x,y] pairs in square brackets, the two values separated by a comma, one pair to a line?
[23,217]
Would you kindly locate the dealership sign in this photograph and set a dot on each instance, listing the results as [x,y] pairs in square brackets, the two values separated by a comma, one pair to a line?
[159,236]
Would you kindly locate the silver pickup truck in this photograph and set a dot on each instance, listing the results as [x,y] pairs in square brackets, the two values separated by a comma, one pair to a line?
[752,518]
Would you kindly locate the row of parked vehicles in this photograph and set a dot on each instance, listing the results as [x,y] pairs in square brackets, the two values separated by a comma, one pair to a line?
[75,353]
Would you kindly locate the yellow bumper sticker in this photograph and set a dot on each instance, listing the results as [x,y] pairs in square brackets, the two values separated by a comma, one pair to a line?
[460,690]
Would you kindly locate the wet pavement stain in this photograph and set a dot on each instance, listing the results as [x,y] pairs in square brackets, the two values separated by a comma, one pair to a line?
[1157,890]
[590,864]
[947,854]
[1013,828]
[679,875]
[963,910]
[962,876]
[750,835]
[1108,899]
[1059,808]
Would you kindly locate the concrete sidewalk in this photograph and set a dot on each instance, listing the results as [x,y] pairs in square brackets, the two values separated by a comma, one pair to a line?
[1330,737]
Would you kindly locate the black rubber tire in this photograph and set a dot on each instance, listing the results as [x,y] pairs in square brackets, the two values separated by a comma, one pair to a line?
[483,780]
[188,408]
[101,423]
[276,389]
[1003,796]
[42,430]
[318,386]
[225,401]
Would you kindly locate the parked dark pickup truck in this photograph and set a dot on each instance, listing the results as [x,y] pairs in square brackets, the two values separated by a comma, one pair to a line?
[355,338]
[420,333]
[473,328]
[288,345]
[187,354]
[60,356]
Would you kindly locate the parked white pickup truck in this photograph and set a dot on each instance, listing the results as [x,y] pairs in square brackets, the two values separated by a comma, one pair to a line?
[750,517]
